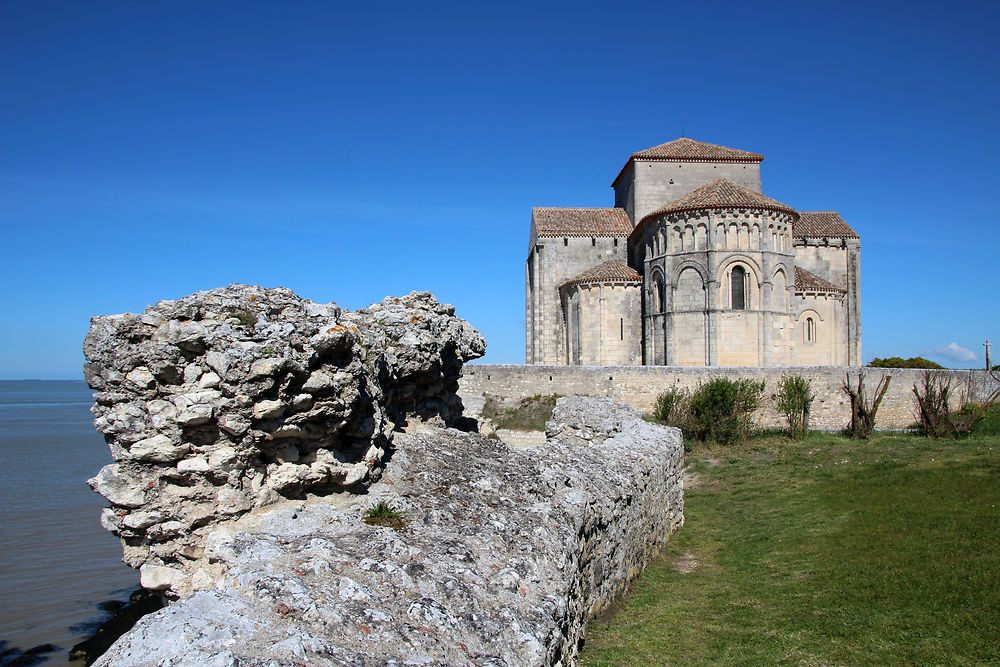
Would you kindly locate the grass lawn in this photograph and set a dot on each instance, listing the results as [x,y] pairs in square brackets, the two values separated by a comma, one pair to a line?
[823,552]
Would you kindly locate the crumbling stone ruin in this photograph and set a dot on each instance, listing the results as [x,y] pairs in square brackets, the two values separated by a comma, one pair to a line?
[237,398]
[235,416]
[504,555]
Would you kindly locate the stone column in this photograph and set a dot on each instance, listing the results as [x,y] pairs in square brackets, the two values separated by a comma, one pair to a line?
[711,299]
[764,335]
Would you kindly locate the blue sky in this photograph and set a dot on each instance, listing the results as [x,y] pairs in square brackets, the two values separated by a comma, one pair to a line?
[352,151]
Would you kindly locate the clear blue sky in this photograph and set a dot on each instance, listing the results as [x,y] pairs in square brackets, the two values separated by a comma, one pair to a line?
[351,151]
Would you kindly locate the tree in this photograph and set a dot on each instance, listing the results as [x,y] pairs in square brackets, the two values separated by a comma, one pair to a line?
[863,410]
[898,362]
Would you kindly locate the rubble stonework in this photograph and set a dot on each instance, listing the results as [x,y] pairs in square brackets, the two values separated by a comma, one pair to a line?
[503,556]
[241,397]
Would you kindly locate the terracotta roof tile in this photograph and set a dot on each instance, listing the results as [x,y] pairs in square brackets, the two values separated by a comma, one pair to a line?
[806,281]
[611,271]
[551,221]
[722,193]
[689,149]
[822,223]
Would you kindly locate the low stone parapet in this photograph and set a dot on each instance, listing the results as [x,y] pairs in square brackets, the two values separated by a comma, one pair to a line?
[639,386]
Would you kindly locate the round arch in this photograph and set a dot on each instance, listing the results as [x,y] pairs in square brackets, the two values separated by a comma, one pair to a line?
[688,264]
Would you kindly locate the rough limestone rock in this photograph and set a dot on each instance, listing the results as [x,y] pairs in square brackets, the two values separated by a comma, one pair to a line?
[241,397]
[503,555]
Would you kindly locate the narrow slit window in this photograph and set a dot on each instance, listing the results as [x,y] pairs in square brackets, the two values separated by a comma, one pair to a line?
[621,323]
[810,330]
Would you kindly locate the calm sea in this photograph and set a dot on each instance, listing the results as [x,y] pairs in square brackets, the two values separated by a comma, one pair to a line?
[56,562]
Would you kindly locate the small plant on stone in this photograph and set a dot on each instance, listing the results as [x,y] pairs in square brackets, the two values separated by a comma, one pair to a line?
[384,514]
[268,351]
[245,317]
[794,399]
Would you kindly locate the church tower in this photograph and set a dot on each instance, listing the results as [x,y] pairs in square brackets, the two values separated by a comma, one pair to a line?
[657,176]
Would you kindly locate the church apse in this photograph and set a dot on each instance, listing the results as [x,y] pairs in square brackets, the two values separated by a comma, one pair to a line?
[695,266]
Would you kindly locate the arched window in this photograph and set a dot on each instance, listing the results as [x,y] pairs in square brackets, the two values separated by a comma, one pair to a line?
[810,332]
[738,288]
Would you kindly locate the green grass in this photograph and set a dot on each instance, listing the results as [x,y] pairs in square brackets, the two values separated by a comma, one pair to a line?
[824,552]
[529,414]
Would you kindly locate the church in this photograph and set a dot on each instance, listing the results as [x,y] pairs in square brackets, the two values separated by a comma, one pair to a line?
[693,266]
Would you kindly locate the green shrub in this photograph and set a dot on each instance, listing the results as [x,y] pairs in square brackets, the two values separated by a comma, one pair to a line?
[794,399]
[673,408]
[670,407]
[721,409]
[937,420]
[990,423]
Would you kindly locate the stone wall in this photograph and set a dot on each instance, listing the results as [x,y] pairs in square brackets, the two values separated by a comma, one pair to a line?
[500,557]
[639,386]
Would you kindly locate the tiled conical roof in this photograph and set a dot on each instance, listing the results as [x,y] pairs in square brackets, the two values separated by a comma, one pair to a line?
[822,223]
[807,281]
[722,193]
[689,149]
[611,271]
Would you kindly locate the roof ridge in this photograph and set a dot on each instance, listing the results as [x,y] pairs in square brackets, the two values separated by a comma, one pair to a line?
[686,148]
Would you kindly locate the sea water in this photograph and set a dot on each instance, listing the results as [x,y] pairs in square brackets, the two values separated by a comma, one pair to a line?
[56,562]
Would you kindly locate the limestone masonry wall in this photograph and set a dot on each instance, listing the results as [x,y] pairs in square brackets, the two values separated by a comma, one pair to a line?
[639,386]
[504,555]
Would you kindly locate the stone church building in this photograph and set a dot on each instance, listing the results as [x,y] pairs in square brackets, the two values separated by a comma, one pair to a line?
[693,266]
